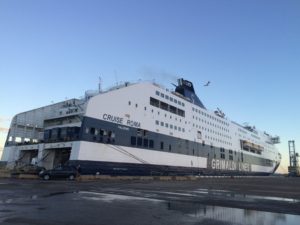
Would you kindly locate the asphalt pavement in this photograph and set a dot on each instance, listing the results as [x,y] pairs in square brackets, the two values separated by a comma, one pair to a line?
[268,200]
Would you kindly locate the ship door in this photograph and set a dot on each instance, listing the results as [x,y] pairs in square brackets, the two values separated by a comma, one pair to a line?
[62,156]
[26,156]
[54,157]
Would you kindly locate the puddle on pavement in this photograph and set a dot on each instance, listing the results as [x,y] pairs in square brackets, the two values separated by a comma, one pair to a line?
[224,193]
[89,195]
[234,216]
[195,212]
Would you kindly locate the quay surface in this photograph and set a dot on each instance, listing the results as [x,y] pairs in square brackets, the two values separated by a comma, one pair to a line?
[255,200]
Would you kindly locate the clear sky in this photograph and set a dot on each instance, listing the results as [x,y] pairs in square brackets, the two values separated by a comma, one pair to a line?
[249,50]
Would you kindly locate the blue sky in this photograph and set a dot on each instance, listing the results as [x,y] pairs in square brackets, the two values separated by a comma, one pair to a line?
[249,50]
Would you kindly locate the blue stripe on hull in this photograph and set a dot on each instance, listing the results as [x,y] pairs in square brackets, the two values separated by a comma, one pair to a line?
[131,169]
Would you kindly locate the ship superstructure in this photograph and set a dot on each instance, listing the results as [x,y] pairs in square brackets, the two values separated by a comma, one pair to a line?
[140,129]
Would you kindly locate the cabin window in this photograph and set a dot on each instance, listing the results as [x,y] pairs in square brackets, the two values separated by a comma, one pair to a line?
[92,131]
[199,135]
[164,106]
[154,102]
[139,141]
[222,156]
[181,112]
[173,109]
[133,140]
[161,145]
[151,144]
[157,122]
[146,143]
[157,93]
[101,132]
[129,103]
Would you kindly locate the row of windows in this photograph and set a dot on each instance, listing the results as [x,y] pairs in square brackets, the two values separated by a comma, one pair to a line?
[210,116]
[61,134]
[212,124]
[155,102]
[100,135]
[222,155]
[171,126]
[145,142]
[212,131]
[218,140]
[171,99]
[141,140]
[158,112]
[101,132]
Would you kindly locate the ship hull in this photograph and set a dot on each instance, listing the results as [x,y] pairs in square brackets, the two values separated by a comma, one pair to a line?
[132,169]
[119,156]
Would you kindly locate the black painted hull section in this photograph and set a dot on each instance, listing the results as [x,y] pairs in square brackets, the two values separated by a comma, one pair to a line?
[131,169]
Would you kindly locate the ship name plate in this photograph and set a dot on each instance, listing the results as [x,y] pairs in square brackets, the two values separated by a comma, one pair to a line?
[120,120]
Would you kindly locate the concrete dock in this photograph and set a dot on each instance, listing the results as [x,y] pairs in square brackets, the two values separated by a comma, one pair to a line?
[136,201]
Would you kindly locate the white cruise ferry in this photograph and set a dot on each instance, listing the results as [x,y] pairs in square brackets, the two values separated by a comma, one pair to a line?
[139,129]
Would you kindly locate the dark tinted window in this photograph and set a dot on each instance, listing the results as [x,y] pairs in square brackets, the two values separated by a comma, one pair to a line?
[161,145]
[133,140]
[151,144]
[139,141]
[146,143]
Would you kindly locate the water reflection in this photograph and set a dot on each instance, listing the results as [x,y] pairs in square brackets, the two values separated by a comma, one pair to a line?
[221,215]
[223,193]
